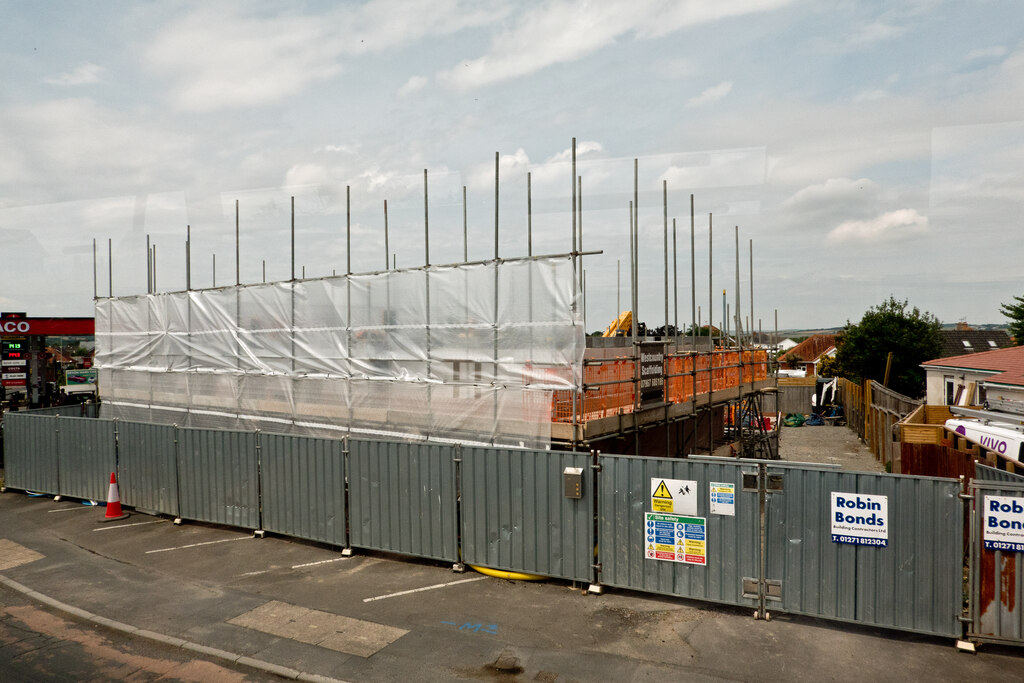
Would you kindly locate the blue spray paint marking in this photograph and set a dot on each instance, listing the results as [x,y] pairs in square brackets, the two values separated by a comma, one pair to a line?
[491,629]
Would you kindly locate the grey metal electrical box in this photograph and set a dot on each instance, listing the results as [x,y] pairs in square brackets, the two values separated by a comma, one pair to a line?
[572,480]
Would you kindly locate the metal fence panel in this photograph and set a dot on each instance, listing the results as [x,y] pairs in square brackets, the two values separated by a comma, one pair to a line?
[147,471]
[218,477]
[30,453]
[516,517]
[302,484]
[402,498]
[997,576]
[986,473]
[88,454]
[732,548]
[71,410]
[915,583]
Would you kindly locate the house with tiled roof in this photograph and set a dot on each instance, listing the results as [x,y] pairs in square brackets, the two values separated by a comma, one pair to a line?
[807,354]
[973,378]
[963,340]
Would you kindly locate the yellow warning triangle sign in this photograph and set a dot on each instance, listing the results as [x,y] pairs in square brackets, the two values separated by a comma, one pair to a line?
[662,492]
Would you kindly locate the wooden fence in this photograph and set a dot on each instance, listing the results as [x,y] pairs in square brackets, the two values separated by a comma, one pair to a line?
[872,411]
[794,396]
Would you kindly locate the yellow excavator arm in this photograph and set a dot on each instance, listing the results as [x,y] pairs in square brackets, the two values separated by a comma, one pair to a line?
[622,326]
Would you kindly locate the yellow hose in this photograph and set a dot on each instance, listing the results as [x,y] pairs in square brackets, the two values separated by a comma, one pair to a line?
[502,574]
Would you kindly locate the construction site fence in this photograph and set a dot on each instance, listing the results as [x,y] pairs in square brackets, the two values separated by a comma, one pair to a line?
[750,533]
[610,385]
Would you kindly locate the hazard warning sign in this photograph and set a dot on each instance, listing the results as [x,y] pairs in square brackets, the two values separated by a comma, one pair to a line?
[677,496]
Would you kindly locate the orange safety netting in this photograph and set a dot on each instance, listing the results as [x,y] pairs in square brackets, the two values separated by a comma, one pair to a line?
[609,384]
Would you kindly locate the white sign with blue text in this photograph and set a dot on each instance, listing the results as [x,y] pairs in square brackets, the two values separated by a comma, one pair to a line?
[860,519]
[723,498]
[1004,523]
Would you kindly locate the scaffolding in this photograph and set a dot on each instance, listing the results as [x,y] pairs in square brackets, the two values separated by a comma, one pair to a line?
[439,353]
[486,352]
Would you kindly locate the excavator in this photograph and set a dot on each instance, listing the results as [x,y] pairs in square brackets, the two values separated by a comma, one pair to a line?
[621,327]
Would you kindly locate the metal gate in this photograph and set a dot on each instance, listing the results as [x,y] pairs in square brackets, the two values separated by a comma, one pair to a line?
[766,535]
[878,549]
[997,566]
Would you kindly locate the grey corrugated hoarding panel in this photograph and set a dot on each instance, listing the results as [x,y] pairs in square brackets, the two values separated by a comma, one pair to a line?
[985,473]
[402,498]
[217,477]
[516,517]
[87,455]
[915,583]
[624,495]
[76,410]
[30,452]
[302,484]
[147,471]
[71,410]
[997,579]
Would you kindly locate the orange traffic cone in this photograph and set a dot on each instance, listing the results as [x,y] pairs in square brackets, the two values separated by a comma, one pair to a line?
[114,511]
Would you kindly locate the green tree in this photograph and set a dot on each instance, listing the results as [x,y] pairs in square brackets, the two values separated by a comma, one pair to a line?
[1015,312]
[892,327]
[829,366]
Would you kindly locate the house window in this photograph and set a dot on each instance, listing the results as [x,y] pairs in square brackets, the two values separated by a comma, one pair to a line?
[967,345]
[992,344]
[950,390]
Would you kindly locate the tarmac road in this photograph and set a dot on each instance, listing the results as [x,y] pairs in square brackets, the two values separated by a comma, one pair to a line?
[275,604]
[40,645]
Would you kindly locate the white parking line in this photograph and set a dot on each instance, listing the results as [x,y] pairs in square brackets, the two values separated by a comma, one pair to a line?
[121,526]
[77,507]
[313,564]
[425,588]
[196,545]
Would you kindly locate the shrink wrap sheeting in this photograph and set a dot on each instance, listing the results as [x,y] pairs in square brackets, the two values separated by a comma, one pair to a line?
[470,352]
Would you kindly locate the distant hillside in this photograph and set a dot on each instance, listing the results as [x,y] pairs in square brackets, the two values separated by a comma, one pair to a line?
[833,330]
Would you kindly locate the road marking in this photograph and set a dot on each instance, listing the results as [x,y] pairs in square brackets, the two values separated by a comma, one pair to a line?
[313,564]
[121,526]
[294,566]
[77,507]
[196,545]
[425,588]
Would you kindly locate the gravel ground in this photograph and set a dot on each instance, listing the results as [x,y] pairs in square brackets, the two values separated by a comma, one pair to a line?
[833,445]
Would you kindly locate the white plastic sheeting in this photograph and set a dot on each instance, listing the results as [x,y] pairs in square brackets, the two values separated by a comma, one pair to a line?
[470,352]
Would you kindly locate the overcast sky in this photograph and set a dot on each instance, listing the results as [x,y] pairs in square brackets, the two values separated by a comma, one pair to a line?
[865,148]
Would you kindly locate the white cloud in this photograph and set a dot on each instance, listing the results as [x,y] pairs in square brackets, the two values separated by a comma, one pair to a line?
[412,85]
[220,59]
[892,226]
[710,95]
[584,148]
[224,55]
[559,32]
[834,191]
[85,74]
[509,165]
[716,168]
[993,52]
[75,147]
[871,33]
[861,208]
